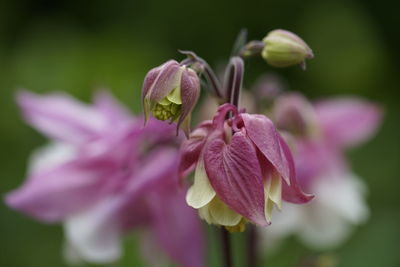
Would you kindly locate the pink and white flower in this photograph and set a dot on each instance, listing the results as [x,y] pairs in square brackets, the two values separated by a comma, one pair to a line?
[243,169]
[104,175]
[327,129]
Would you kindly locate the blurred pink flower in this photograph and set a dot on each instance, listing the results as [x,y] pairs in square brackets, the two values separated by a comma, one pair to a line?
[330,127]
[341,123]
[243,169]
[104,175]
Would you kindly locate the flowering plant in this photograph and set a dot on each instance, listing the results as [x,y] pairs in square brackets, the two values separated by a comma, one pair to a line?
[106,172]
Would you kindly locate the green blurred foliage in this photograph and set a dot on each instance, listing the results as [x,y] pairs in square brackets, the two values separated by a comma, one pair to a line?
[81,46]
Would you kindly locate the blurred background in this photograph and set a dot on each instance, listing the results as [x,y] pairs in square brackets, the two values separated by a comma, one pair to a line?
[80,46]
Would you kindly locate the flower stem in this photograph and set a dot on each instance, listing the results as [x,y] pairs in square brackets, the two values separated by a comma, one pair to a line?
[226,248]
[252,246]
[208,72]
[233,80]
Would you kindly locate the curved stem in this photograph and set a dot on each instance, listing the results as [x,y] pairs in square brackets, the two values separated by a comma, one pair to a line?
[226,247]
[234,80]
[253,48]
[205,69]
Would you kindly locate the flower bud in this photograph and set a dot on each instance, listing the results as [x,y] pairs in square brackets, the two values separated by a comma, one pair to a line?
[283,48]
[170,92]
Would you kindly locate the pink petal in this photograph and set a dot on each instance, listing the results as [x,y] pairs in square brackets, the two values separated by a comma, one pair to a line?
[61,117]
[154,199]
[111,108]
[63,190]
[191,148]
[292,192]
[156,171]
[166,80]
[149,80]
[235,174]
[177,227]
[348,121]
[262,132]
[314,158]
[220,116]
[190,91]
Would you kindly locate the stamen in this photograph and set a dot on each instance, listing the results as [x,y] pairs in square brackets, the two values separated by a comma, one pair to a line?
[166,112]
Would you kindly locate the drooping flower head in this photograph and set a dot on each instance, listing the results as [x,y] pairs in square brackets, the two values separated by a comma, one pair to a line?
[170,92]
[104,175]
[243,169]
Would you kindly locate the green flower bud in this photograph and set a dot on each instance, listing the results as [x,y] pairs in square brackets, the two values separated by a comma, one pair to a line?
[283,48]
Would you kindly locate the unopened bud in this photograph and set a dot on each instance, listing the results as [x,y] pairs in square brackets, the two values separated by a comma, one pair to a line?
[170,92]
[283,48]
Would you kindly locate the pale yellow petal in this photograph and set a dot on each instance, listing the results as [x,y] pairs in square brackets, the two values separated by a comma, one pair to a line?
[185,126]
[275,191]
[223,215]
[272,194]
[164,102]
[175,96]
[201,192]
[269,205]
[204,214]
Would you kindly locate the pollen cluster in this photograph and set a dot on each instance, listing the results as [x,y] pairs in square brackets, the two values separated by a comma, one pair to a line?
[166,112]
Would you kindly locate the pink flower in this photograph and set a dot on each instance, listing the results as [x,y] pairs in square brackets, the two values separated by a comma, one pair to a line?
[243,168]
[327,129]
[341,123]
[104,175]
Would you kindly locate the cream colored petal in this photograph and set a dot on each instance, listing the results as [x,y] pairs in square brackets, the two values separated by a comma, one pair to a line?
[204,214]
[272,194]
[275,191]
[269,205]
[185,126]
[201,192]
[175,96]
[223,215]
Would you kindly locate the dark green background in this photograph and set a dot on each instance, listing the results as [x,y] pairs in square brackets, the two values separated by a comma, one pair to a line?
[80,46]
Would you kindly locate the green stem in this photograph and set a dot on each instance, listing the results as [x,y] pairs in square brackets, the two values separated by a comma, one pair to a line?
[226,248]
[252,246]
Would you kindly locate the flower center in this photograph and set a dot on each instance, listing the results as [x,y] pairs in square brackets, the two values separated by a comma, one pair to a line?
[166,112]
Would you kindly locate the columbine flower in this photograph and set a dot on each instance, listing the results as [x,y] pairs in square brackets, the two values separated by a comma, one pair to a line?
[283,48]
[243,169]
[321,167]
[104,175]
[170,92]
